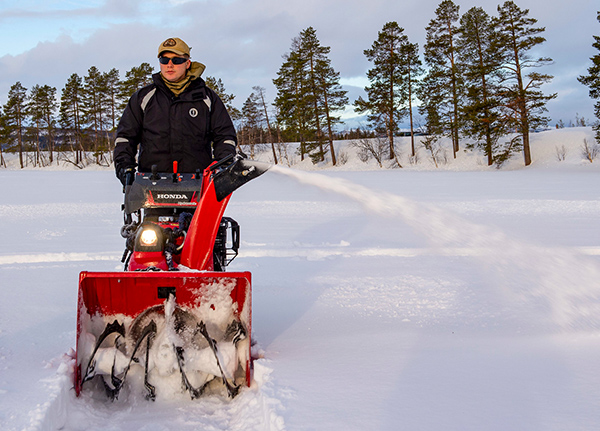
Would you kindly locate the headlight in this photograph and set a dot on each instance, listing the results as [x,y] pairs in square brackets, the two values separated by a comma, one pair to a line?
[149,238]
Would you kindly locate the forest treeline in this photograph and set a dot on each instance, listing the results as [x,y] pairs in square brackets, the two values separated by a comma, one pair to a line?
[475,77]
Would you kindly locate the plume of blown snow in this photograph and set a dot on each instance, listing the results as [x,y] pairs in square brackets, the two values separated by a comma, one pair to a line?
[563,282]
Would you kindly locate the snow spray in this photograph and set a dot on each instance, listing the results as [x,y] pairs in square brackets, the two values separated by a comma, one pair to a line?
[564,282]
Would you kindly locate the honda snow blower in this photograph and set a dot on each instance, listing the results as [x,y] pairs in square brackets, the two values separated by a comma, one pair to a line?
[173,318]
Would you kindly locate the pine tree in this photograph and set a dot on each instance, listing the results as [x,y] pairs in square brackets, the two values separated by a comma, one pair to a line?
[308,96]
[313,53]
[15,115]
[386,97]
[135,78]
[442,59]
[332,96]
[252,115]
[112,101]
[219,88]
[480,59]
[293,101]
[71,114]
[92,103]
[42,108]
[592,80]
[3,137]
[309,51]
[523,99]
[411,71]
[431,99]
[97,107]
[35,110]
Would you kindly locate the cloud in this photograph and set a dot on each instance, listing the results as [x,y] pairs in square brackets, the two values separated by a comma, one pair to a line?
[60,10]
[243,41]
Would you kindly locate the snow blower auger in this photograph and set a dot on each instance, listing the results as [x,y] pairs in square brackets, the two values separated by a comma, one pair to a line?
[173,318]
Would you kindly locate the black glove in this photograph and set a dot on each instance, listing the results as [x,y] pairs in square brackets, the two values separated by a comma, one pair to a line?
[126,176]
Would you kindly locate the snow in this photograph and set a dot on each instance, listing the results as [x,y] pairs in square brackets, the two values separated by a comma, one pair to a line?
[458,298]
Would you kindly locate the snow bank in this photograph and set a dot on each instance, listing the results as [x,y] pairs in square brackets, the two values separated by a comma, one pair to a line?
[559,148]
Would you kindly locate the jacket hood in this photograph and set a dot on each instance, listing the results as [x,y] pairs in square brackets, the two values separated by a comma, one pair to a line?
[196,70]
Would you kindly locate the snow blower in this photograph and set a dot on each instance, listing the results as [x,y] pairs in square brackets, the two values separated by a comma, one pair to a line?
[174,316]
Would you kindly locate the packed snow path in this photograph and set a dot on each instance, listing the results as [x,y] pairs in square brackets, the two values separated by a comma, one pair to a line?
[435,300]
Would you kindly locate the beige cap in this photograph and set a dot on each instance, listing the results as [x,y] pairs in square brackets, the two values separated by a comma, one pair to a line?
[174,44]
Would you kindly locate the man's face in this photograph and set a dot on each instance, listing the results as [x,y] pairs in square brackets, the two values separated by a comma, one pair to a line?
[173,72]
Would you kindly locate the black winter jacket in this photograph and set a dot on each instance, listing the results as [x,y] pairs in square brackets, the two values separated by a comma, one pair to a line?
[169,128]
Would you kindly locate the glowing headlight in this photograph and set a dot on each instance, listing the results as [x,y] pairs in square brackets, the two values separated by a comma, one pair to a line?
[148,238]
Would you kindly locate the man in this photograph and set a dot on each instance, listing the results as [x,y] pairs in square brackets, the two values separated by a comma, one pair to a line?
[176,118]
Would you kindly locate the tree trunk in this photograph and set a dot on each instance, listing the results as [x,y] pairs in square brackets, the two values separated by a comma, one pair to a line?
[391,142]
[271,140]
[20,140]
[454,125]
[410,115]
[331,148]
[522,105]
[526,147]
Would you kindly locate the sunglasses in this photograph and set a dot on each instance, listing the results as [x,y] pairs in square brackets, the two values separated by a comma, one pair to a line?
[175,60]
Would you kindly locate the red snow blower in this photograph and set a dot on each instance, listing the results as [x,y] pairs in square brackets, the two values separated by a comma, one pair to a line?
[174,317]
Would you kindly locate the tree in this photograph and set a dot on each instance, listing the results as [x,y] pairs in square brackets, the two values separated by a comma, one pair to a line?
[71,114]
[260,96]
[135,78]
[480,60]
[592,80]
[523,100]
[386,96]
[411,71]
[35,109]
[112,84]
[219,88]
[442,59]
[42,108]
[15,114]
[312,53]
[333,97]
[308,96]
[92,101]
[293,101]
[3,138]
[252,115]
[96,106]
[431,99]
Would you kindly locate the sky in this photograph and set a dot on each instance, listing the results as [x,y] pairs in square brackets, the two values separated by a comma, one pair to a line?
[242,41]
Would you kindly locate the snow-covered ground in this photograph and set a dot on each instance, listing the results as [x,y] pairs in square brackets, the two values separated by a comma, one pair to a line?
[459,298]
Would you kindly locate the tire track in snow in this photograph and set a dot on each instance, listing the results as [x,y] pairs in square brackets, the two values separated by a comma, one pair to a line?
[12,212]
[15,259]
[306,251]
